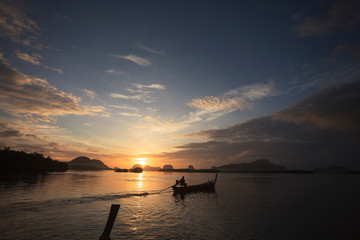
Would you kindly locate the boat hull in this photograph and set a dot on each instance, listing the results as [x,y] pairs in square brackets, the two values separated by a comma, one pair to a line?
[205,187]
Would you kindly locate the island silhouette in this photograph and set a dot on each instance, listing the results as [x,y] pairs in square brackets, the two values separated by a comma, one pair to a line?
[85,163]
[12,161]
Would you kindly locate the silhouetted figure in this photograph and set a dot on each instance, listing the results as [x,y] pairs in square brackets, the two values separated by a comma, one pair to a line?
[182,181]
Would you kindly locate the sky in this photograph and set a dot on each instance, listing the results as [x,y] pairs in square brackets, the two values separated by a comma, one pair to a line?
[205,83]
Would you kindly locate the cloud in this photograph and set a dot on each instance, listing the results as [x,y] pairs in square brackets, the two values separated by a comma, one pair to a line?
[129,114]
[125,107]
[116,72]
[342,15]
[148,49]
[97,109]
[10,133]
[122,96]
[135,59]
[314,76]
[157,120]
[133,113]
[254,91]
[318,131]
[139,94]
[54,69]
[332,107]
[90,94]
[33,59]
[345,52]
[33,97]
[153,86]
[58,145]
[210,108]
[214,104]
[9,130]
[237,99]
[16,25]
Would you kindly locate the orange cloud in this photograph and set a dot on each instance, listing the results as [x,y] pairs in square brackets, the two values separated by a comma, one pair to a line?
[33,59]
[16,25]
[236,99]
[90,94]
[35,97]
[219,103]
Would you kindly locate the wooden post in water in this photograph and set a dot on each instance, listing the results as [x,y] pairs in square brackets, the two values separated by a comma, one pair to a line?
[110,222]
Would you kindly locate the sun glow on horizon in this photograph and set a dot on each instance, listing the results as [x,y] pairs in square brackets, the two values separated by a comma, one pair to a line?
[141,161]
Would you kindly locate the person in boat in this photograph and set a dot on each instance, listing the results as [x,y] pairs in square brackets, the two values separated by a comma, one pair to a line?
[182,181]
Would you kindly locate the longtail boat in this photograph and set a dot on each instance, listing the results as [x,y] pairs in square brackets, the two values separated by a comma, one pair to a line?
[204,187]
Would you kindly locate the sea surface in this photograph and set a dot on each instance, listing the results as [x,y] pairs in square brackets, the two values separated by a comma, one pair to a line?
[76,204]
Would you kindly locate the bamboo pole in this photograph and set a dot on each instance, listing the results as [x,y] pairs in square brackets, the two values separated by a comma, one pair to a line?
[110,222]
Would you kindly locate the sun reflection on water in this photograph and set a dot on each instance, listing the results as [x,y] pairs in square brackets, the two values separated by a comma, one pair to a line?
[140,180]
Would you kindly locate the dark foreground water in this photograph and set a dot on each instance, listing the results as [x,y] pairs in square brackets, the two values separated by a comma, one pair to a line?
[75,205]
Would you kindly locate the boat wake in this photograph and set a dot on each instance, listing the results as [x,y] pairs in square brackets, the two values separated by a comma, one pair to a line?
[43,205]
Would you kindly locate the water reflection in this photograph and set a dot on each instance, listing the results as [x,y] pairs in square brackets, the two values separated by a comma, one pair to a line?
[25,180]
[140,180]
[179,198]
[73,205]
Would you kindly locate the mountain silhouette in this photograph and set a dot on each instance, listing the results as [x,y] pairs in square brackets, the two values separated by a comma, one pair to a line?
[257,165]
[85,163]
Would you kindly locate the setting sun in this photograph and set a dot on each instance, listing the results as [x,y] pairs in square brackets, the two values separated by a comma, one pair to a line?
[141,161]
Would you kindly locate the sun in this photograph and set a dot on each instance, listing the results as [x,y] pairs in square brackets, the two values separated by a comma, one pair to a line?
[141,161]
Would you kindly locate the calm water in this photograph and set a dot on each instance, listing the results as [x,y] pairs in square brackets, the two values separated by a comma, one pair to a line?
[75,205]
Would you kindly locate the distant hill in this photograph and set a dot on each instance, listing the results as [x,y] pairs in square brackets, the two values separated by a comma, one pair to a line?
[21,162]
[334,169]
[167,167]
[150,168]
[85,163]
[257,165]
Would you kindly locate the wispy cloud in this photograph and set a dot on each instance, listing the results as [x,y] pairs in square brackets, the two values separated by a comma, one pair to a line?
[320,129]
[97,109]
[312,77]
[116,72]
[237,99]
[153,86]
[148,49]
[210,107]
[129,114]
[254,91]
[342,15]
[54,69]
[124,107]
[35,98]
[158,121]
[132,111]
[90,94]
[16,25]
[139,93]
[135,59]
[33,59]
[214,104]
[122,96]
